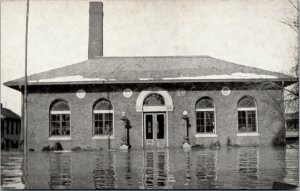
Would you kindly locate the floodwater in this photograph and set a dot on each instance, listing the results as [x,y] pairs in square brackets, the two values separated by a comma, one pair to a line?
[226,168]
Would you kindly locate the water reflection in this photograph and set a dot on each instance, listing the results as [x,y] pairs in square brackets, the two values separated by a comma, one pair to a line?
[11,172]
[206,169]
[236,168]
[292,165]
[156,170]
[60,171]
[128,172]
[249,168]
[187,165]
[104,170]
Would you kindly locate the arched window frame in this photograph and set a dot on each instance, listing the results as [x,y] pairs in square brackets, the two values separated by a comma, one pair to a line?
[103,113]
[150,108]
[247,110]
[204,111]
[63,116]
[143,94]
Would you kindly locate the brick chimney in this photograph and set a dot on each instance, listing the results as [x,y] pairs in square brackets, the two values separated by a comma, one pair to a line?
[95,30]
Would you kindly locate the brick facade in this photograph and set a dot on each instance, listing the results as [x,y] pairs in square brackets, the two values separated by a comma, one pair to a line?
[269,114]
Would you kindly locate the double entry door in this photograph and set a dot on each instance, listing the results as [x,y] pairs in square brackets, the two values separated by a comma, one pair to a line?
[155,130]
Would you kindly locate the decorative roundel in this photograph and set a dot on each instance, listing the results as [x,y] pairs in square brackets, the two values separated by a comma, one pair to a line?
[127,93]
[80,93]
[181,92]
[225,91]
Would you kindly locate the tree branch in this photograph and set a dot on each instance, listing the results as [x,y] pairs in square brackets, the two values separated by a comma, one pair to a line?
[293,5]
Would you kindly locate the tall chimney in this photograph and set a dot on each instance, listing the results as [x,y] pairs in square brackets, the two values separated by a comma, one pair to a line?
[95,30]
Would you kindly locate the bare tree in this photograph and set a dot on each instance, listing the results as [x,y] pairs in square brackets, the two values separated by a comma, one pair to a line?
[292,92]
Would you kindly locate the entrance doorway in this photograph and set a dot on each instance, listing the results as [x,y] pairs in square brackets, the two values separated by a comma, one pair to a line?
[155,129]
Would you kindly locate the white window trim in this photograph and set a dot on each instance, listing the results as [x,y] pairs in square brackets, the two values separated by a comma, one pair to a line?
[255,133]
[250,134]
[103,111]
[206,109]
[215,122]
[60,112]
[206,135]
[154,108]
[63,151]
[113,124]
[103,137]
[247,109]
[59,138]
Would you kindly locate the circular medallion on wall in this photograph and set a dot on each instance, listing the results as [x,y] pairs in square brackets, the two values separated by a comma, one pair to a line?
[225,91]
[180,92]
[80,93]
[127,93]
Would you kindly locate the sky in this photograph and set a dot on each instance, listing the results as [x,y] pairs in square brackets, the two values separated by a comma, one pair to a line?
[247,32]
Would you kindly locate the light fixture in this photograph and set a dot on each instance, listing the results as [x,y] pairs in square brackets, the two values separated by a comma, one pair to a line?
[185,115]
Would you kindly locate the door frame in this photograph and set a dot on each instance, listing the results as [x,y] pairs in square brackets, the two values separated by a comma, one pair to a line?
[166,127]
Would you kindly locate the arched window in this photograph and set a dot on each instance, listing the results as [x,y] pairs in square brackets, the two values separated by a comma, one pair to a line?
[205,116]
[103,118]
[60,118]
[154,99]
[246,115]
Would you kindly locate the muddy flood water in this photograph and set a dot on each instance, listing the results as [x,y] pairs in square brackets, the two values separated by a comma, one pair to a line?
[226,168]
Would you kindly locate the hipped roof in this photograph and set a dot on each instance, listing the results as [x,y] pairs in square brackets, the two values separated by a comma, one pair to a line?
[114,70]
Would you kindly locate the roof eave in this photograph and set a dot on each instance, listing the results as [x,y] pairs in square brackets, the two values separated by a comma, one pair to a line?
[17,85]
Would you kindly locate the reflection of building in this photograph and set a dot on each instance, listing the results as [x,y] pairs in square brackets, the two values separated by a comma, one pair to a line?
[104,171]
[10,129]
[81,104]
[60,171]
[249,169]
[156,170]
[206,170]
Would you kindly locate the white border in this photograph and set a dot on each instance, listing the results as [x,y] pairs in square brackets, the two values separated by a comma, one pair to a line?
[250,134]
[103,137]
[103,111]
[60,112]
[206,135]
[59,138]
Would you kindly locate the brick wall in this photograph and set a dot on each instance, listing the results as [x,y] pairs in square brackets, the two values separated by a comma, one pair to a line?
[269,116]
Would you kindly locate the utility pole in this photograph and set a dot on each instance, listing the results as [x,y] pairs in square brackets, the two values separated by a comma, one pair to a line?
[25,84]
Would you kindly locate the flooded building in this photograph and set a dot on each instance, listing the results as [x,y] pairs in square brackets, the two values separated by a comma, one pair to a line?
[10,129]
[164,100]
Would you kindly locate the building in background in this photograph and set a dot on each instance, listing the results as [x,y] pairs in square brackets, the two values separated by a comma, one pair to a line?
[292,126]
[10,129]
[166,100]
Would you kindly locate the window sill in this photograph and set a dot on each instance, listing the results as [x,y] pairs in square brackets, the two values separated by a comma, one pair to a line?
[248,134]
[59,138]
[206,135]
[63,151]
[102,137]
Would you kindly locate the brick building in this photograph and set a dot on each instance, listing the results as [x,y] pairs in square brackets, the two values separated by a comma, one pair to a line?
[83,104]
[10,129]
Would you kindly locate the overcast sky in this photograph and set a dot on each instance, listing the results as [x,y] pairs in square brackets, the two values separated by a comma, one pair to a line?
[247,32]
